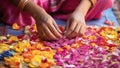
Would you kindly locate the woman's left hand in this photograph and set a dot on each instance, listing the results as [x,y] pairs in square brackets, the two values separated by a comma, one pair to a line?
[75,25]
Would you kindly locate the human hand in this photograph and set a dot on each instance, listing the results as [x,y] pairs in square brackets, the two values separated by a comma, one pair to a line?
[47,27]
[75,25]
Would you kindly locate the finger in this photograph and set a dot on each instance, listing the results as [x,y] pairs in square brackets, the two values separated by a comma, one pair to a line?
[56,26]
[76,31]
[44,34]
[72,35]
[77,28]
[41,34]
[71,28]
[46,37]
[67,26]
[49,34]
[54,30]
[82,29]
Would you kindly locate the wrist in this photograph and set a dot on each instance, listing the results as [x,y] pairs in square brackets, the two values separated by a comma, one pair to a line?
[33,9]
[78,13]
[38,12]
[83,7]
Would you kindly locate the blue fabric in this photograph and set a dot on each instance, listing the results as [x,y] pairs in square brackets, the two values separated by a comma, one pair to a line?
[14,32]
[107,15]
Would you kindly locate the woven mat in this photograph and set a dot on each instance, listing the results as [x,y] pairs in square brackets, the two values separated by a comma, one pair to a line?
[116,10]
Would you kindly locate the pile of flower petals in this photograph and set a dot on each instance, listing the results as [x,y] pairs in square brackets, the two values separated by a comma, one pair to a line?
[25,50]
[99,47]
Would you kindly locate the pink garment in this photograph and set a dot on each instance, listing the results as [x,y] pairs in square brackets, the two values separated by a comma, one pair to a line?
[11,14]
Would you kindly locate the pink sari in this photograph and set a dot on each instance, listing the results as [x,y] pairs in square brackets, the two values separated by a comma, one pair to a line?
[59,9]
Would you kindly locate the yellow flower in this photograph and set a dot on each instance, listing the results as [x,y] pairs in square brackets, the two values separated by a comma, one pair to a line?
[15,61]
[4,47]
[35,61]
[21,46]
[36,52]
[13,38]
[48,55]
[93,44]
[109,33]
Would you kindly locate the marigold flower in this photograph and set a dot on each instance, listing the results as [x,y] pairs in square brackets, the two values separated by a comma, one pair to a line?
[15,26]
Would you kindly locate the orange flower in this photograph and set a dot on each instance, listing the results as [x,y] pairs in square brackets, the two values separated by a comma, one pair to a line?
[15,26]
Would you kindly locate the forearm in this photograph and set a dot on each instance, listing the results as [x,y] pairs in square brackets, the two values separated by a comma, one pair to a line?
[33,8]
[83,7]
[30,7]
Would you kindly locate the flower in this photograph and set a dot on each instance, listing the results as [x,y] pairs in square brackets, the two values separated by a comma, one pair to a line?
[15,26]
[98,47]
[15,61]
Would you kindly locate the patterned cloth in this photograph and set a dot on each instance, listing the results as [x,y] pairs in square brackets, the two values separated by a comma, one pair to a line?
[60,9]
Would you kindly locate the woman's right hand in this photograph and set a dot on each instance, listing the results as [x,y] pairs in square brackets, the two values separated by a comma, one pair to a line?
[46,26]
